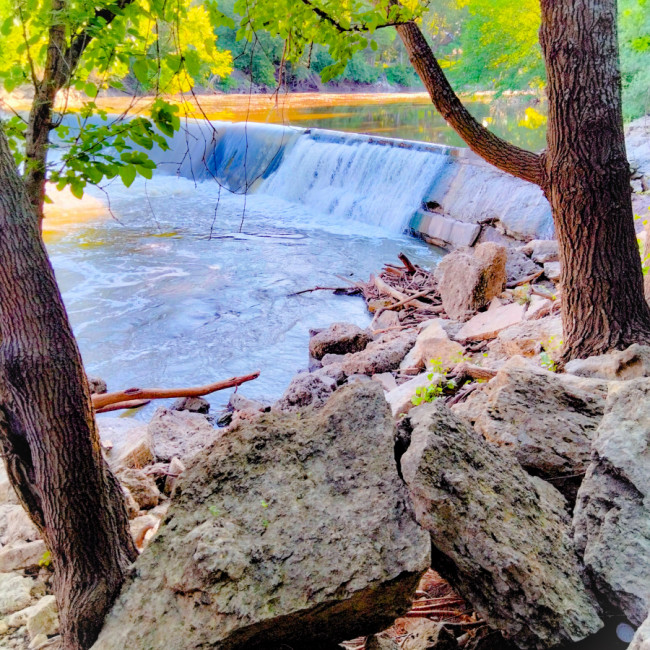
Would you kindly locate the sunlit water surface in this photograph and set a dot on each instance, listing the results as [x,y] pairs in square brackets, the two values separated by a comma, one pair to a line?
[168,292]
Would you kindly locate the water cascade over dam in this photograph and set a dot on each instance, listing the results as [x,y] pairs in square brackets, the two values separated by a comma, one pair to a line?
[367,179]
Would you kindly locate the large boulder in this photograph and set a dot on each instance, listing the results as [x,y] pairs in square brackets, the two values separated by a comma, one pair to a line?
[179,434]
[548,420]
[382,355]
[620,365]
[612,515]
[289,530]
[499,536]
[338,338]
[469,278]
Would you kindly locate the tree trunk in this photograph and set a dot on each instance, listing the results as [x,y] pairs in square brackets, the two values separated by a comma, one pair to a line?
[584,172]
[48,437]
[588,180]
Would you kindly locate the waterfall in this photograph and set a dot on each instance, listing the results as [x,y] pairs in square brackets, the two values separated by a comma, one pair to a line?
[359,179]
[378,181]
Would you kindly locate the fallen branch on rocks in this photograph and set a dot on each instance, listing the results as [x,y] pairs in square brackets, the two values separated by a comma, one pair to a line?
[346,291]
[101,401]
[129,404]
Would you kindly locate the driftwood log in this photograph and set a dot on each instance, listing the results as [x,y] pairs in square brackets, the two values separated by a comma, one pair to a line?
[103,400]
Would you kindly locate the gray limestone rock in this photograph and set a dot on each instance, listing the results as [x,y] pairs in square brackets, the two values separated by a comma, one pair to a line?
[620,365]
[305,389]
[612,515]
[338,338]
[383,355]
[496,538]
[289,530]
[179,433]
[641,640]
[542,251]
[547,419]
[468,278]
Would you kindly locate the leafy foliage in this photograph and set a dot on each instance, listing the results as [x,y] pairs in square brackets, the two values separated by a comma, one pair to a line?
[139,45]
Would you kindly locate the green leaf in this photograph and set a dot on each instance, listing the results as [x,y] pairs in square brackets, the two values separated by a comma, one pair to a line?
[127,174]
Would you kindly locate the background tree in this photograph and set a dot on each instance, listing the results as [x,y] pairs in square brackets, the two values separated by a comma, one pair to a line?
[48,438]
[584,172]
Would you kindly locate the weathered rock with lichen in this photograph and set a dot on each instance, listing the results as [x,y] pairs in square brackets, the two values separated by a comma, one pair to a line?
[548,420]
[290,530]
[500,542]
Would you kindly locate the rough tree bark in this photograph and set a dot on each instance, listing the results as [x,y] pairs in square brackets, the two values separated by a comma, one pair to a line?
[48,438]
[588,179]
[584,173]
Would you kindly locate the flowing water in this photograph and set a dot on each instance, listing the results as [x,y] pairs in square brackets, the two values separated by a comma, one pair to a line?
[173,294]
[188,278]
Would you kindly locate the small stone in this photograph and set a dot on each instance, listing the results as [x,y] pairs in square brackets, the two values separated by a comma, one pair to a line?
[15,593]
[386,380]
[191,404]
[7,493]
[385,320]
[176,468]
[140,526]
[96,384]
[529,338]
[43,618]
[21,555]
[16,526]
[542,251]
[338,338]
[400,398]
[469,278]
[141,486]
[552,271]
[132,443]
[433,349]
[4,628]
[179,433]
[305,389]
[38,641]
[489,323]
[632,363]
[382,355]
[330,359]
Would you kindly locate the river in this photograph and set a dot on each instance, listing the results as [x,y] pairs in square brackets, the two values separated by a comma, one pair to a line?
[181,282]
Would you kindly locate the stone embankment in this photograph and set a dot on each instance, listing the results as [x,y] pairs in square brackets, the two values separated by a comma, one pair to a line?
[441,436]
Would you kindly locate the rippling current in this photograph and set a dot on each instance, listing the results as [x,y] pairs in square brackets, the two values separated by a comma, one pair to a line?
[167,291]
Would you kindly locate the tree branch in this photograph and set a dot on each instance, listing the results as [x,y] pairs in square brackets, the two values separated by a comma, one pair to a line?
[500,153]
[337,25]
[104,399]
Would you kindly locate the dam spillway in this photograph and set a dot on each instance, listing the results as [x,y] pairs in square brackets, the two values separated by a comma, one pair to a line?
[378,181]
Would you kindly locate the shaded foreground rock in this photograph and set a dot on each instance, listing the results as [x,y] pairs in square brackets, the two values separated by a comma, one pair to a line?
[287,530]
[547,419]
[305,389]
[612,516]
[498,539]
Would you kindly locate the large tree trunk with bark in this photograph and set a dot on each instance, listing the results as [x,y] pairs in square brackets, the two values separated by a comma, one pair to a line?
[584,172]
[588,180]
[48,437]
